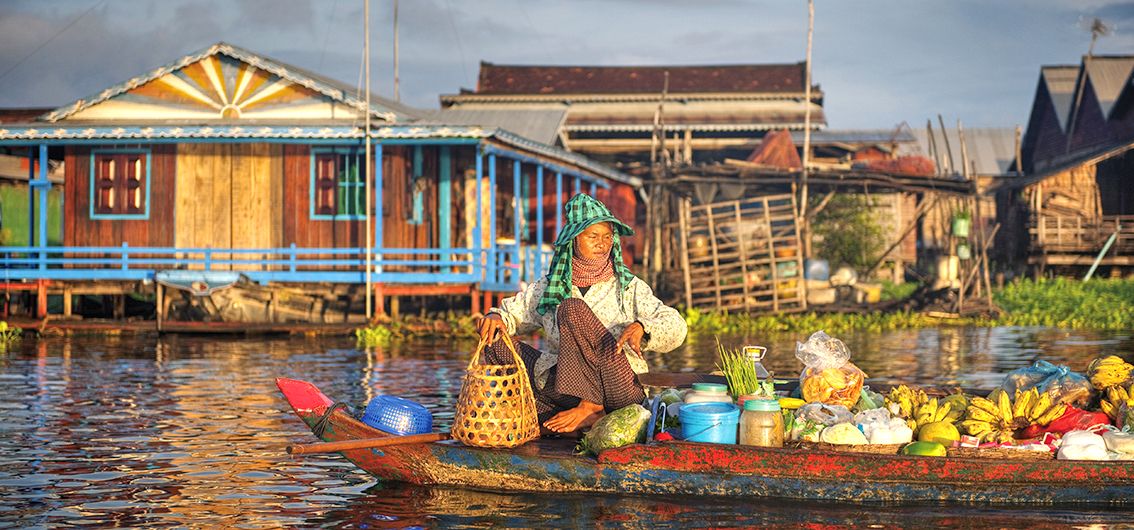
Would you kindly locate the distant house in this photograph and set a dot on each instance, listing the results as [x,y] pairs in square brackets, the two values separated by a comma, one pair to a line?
[1077,191]
[226,163]
[612,112]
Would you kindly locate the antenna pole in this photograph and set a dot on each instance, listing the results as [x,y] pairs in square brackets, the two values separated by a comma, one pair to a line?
[369,162]
[397,96]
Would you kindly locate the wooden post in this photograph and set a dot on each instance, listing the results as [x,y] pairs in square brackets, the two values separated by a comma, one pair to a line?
[41,298]
[67,309]
[716,256]
[743,250]
[379,300]
[683,222]
[159,308]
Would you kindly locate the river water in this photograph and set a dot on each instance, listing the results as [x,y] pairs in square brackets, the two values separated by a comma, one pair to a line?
[189,431]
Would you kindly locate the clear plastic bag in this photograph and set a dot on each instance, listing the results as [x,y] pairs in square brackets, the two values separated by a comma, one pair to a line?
[1060,382]
[824,414]
[624,426]
[829,376]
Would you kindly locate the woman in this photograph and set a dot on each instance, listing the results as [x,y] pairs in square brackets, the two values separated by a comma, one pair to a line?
[588,298]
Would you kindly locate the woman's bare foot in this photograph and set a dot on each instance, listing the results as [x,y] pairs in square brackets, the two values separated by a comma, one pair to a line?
[571,420]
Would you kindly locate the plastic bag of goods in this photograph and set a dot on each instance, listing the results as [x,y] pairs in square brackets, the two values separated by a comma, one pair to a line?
[828,375]
[1119,441]
[843,434]
[624,426]
[1060,382]
[1082,445]
[824,414]
[1075,419]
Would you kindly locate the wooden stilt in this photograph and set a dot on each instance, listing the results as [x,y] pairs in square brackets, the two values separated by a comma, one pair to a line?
[159,308]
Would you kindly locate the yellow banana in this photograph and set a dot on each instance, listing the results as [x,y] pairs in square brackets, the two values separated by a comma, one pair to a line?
[1107,408]
[982,415]
[1004,403]
[1023,401]
[943,412]
[1040,408]
[975,427]
[983,404]
[1053,414]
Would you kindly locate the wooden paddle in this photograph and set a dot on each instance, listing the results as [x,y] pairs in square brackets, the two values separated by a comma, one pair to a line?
[366,443]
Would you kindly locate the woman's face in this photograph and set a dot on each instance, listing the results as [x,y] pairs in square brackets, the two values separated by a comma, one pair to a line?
[595,241]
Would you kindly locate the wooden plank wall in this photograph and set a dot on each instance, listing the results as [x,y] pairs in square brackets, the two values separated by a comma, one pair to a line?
[623,203]
[80,230]
[226,197]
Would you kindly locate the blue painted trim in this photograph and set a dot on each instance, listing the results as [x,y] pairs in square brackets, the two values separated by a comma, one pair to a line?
[491,270]
[578,186]
[142,216]
[418,199]
[517,213]
[558,203]
[592,189]
[379,208]
[44,186]
[31,196]
[352,152]
[557,167]
[539,219]
[444,198]
[429,141]
[478,230]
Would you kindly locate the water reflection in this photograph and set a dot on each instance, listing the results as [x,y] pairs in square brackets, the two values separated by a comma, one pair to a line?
[189,431]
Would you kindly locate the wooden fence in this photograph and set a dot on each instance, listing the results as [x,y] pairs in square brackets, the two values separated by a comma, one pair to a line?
[742,255]
[1081,234]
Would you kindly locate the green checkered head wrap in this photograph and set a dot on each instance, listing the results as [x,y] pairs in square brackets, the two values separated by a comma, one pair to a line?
[582,212]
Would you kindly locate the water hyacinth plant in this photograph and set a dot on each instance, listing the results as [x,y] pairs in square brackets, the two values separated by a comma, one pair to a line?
[373,336]
[8,335]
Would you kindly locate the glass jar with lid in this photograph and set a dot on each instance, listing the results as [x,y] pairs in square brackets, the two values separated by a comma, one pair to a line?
[707,392]
[762,423]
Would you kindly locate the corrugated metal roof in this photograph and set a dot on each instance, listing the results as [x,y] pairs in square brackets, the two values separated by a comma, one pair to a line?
[537,79]
[859,136]
[991,151]
[1108,76]
[540,124]
[1060,81]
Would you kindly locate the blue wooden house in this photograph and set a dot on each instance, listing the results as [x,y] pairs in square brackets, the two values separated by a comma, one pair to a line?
[225,168]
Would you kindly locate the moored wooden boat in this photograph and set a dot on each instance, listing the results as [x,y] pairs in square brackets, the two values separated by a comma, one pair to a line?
[681,468]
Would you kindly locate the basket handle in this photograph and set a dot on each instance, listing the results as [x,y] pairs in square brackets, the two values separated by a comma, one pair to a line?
[475,360]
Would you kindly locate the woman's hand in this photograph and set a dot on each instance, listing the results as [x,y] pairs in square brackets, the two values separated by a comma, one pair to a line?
[632,335]
[491,327]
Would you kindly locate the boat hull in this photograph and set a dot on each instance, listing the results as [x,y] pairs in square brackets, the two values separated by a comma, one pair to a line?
[680,468]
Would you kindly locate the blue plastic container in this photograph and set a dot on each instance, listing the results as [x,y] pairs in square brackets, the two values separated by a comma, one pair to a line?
[397,415]
[709,422]
[817,269]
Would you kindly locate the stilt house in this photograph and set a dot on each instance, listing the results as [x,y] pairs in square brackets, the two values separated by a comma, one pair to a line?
[225,167]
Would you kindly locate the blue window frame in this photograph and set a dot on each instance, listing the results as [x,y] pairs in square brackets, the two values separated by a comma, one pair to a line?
[120,184]
[338,191]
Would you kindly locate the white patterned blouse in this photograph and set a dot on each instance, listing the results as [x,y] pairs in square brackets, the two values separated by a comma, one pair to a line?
[665,328]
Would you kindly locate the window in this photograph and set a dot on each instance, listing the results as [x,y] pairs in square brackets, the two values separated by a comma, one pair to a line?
[120,184]
[337,188]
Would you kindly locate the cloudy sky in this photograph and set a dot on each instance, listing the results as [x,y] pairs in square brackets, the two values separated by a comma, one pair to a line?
[880,62]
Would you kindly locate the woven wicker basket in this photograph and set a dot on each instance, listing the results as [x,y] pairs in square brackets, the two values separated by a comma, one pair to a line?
[1001,453]
[496,407]
[877,449]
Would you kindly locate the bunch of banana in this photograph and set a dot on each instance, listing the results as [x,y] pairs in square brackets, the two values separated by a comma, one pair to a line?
[902,401]
[958,402]
[929,412]
[1116,396]
[997,417]
[1105,372]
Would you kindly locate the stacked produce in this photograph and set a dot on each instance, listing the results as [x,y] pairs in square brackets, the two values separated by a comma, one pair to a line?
[997,418]
[1035,408]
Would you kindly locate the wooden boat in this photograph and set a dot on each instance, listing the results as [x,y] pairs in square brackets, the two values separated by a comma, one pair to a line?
[686,468]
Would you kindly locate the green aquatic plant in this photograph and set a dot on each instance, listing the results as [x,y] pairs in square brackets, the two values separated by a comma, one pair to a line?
[373,336]
[8,335]
[1068,303]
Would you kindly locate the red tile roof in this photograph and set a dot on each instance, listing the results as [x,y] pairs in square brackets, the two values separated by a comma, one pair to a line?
[505,79]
